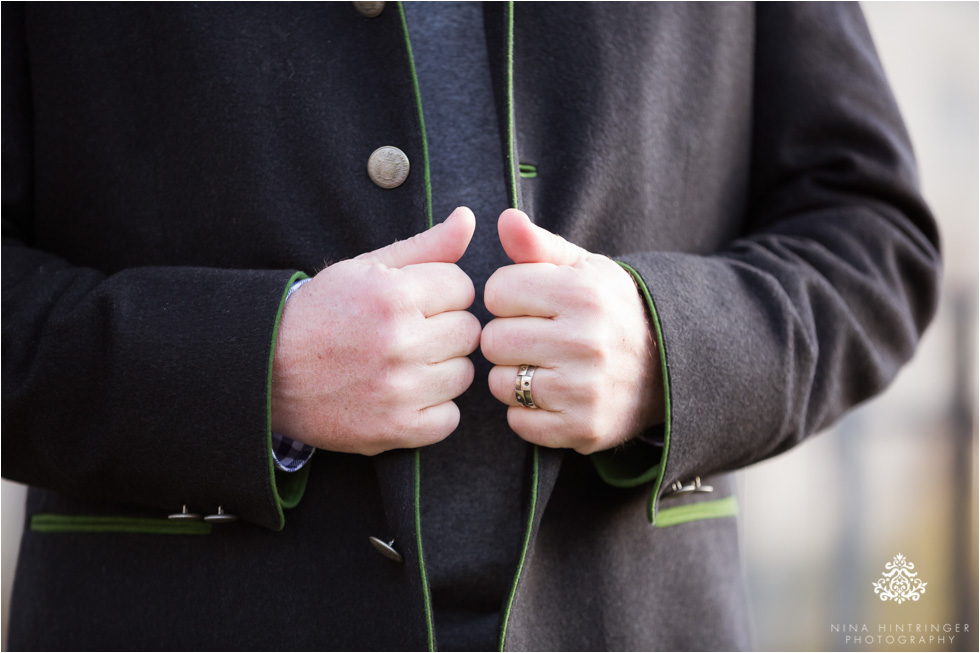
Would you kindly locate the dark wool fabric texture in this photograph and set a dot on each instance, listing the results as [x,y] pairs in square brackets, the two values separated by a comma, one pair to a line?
[167,169]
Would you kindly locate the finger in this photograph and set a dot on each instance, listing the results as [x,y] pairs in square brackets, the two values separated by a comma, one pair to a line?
[440,287]
[532,289]
[525,242]
[545,387]
[542,427]
[520,340]
[443,243]
[435,424]
[451,335]
[441,382]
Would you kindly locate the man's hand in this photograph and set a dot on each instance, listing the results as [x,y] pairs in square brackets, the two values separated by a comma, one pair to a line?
[578,317]
[373,350]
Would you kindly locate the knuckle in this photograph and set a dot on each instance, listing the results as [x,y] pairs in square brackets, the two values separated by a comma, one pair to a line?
[400,342]
[474,332]
[466,375]
[466,284]
[491,293]
[586,344]
[589,297]
[488,341]
[400,428]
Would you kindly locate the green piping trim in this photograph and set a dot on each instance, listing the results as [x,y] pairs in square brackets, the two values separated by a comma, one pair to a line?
[512,182]
[524,547]
[426,600]
[418,107]
[727,507]
[528,171]
[659,332]
[54,523]
[293,493]
[511,163]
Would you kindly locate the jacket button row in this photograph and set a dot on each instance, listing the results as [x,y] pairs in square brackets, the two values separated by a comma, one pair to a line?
[386,549]
[388,166]
[369,9]
[218,517]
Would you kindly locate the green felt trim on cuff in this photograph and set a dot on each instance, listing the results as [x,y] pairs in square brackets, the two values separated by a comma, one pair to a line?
[628,466]
[292,490]
[418,108]
[727,507]
[292,485]
[426,599]
[658,477]
[55,523]
[528,171]
[524,546]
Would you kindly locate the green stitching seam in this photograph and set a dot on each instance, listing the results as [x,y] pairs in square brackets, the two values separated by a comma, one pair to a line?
[426,599]
[292,492]
[418,107]
[727,507]
[55,523]
[665,370]
[528,171]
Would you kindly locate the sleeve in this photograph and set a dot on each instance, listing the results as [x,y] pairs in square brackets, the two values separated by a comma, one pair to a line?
[824,297]
[150,385]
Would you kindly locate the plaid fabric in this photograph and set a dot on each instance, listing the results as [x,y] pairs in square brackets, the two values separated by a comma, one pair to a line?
[290,455]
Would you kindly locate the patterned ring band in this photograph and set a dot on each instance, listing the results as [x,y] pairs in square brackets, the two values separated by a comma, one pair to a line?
[522,386]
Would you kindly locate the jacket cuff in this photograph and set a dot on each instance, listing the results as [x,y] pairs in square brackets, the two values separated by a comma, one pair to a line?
[287,487]
[643,459]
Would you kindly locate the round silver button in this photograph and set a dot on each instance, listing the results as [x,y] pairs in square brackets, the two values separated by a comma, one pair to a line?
[386,549]
[369,9]
[388,167]
[184,515]
[220,516]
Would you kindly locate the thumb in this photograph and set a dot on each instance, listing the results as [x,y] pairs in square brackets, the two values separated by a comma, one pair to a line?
[443,243]
[525,242]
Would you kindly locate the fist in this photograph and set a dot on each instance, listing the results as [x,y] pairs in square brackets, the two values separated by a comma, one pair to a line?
[578,317]
[372,351]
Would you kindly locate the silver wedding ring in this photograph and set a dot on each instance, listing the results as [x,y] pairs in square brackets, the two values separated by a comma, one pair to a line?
[522,386]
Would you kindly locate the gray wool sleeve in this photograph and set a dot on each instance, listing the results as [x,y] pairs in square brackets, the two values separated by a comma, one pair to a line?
[814,309]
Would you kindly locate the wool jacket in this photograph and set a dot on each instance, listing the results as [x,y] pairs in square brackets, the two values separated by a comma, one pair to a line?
[169,170]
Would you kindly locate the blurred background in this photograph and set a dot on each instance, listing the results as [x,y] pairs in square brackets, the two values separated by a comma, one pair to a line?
[899,475]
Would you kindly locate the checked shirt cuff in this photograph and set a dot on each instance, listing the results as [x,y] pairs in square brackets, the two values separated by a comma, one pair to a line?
[288,454]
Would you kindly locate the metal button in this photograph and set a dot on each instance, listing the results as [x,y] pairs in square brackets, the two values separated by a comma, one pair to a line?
[220,517]
[701,488]
[680,488]
[388,167]
[369,9]
[183,515]
[386,549]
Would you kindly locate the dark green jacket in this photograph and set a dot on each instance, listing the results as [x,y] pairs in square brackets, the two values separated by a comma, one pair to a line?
[169,169]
